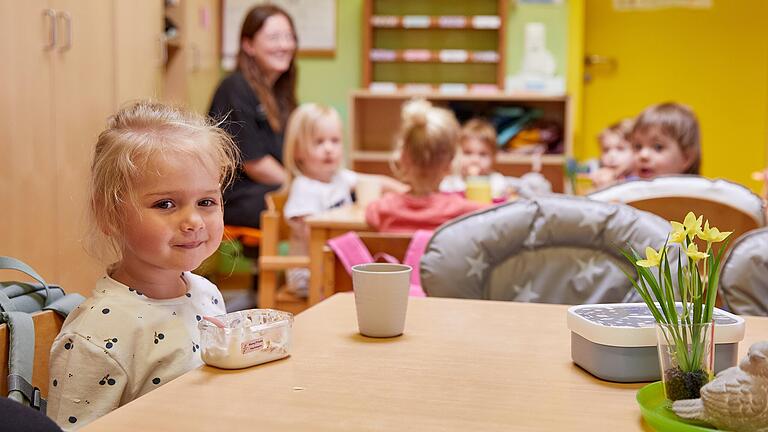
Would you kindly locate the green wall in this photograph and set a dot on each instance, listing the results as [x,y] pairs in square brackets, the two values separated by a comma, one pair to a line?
[554,17]
[330,80]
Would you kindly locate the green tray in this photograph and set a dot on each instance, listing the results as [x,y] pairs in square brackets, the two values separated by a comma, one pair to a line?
[653,405]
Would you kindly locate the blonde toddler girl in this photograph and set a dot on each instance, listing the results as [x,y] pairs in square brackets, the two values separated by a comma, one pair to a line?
[156,182]
[428,142]
[313,152]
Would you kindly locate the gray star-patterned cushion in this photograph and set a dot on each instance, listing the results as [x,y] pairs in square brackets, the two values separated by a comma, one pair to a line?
[554,249]
[744,275]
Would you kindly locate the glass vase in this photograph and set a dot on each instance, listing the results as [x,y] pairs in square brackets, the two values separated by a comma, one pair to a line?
[686,358]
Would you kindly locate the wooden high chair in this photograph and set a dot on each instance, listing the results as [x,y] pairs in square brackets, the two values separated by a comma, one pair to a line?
[274,229]
[728,206]
[47,327]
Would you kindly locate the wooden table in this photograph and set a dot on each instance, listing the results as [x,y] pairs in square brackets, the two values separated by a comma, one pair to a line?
[463,365]
[322,227]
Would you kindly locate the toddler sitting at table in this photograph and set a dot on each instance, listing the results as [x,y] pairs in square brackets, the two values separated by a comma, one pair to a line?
[156,210]
[312,155]
[428,142]
[617,157]
[477,144]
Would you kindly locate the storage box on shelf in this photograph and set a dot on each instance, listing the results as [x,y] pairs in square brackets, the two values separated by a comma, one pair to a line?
[434,43]
[375,120]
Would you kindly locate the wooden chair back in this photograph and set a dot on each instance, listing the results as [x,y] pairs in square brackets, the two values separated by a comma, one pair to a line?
[273,226]
[47,327]
[720,215]
[339,279]
[274,229]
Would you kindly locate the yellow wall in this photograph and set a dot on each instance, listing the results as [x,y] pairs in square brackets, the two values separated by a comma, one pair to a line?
[714,60]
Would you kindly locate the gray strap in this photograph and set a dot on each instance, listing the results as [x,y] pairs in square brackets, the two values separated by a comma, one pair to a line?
[21,354]
[8,263]
[5,304]
[64,305]
[21,350]
[22,391]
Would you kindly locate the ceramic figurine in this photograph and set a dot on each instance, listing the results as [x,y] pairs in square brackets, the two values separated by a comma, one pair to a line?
[737,399]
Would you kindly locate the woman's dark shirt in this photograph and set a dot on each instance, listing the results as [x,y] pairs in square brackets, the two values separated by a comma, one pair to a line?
[245,119]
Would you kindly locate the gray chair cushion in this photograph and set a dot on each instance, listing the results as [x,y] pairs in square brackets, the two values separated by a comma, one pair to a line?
[554,249]
[744,276]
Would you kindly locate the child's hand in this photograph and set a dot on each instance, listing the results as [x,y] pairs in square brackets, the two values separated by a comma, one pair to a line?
[762,176]
[388,184]
[603,177]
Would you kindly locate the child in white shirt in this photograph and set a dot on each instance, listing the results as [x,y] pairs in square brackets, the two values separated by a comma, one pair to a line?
[156,182]
[313,152]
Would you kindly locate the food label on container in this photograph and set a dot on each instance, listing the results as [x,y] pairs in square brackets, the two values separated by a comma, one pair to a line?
[251,345]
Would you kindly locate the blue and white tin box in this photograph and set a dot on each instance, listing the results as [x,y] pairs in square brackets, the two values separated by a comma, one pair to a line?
[617,342]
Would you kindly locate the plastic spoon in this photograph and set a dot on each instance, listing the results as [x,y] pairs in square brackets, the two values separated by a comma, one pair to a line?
[215,321]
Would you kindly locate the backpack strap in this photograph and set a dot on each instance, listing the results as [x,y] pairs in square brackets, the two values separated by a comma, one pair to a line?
[66,304]
[416,249]
[21,354]
[5,304]
[8,263]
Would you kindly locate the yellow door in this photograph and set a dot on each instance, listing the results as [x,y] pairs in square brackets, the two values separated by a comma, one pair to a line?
[715,60]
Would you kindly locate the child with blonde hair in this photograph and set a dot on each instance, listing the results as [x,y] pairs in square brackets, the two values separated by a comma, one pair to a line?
[426,147]
[313,152]
[477,145]
[477,152]
[617,157]
[666,140]
[156,202]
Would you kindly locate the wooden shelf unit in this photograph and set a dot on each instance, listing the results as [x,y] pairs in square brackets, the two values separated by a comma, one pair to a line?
[434,26]
[375,121]
[471,22]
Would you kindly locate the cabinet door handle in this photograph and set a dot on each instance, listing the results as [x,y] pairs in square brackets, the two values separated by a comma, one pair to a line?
[67,18]
[51,15]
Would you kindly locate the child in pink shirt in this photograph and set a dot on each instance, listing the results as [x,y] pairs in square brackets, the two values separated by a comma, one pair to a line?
[428,142]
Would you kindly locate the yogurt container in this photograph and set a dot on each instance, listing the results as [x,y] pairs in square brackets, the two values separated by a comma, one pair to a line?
[248,338]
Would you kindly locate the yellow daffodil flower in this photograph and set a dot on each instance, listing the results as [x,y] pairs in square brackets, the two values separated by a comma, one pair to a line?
[652,258]
[692,225]
[678,233]
[712,235]
[693,252]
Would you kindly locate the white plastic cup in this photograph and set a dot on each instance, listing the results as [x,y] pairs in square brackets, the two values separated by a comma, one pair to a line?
[367,190]
[381,298]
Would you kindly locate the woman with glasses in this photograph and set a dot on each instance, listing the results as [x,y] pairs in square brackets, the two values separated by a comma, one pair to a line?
[255,102]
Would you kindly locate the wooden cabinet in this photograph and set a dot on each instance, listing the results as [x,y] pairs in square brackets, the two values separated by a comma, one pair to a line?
[192,70]
[375,121]
[430,44]
[59,85]
[28,164]
[140,51]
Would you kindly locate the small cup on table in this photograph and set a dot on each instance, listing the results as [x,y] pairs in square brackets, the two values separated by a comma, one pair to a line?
[381,298]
